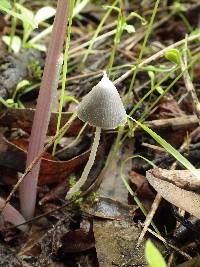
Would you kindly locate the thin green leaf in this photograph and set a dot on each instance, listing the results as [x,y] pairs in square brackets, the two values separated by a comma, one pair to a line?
[143,20]
[170,149]
[112,8]
[160,90]
[16,43]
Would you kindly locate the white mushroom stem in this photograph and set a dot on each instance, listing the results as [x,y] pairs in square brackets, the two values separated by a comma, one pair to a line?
[88,166]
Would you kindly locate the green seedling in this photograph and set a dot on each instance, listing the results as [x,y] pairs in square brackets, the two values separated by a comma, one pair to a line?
[40,16]
[6,7]
[102,22]
[179,9]
[79,5]
[35,70]
[122,26]
[15,102]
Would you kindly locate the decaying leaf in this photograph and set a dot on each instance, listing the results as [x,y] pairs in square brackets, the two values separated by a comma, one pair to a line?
[182,198]
[52,170]
[79,240]
[23,118]
[181,178]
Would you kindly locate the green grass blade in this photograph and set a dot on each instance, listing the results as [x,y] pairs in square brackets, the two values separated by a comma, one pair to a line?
[170,149]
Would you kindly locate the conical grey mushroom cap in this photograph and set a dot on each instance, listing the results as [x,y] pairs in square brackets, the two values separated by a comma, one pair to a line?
[102,106]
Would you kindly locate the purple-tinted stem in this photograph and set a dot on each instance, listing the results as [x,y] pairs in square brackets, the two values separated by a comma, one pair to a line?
[10,214]
[28,188]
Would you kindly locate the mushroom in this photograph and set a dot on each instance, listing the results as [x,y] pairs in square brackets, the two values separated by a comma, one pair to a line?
[102,108]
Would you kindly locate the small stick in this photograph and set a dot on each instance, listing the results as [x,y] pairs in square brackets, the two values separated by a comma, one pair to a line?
[149,217]
[188,83]
[175,248]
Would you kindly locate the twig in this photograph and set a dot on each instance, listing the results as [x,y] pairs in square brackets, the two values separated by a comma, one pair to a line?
[188,83]
[149,217]
[164,241]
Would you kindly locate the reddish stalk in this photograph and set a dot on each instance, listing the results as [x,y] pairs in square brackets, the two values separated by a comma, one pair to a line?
[28,188]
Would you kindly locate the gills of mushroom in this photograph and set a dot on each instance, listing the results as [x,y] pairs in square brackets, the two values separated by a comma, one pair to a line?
[102,108]
[182,198]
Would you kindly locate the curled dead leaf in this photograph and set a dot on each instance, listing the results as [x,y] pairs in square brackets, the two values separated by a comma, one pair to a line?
[182,198]
[13,156]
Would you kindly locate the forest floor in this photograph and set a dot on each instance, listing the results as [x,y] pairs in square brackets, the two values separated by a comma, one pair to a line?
[151,54]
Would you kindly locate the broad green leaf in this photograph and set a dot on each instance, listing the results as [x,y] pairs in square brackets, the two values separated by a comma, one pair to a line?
[170,149]
[79,6]
[16,43]
[19,16]
[178,7]
[25,11]
[159,90]
[153,256]
[20,85]
[2,101]
[129,28]
[40,47]
[44,13]
[174,56]
[71,99]
[5,4]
